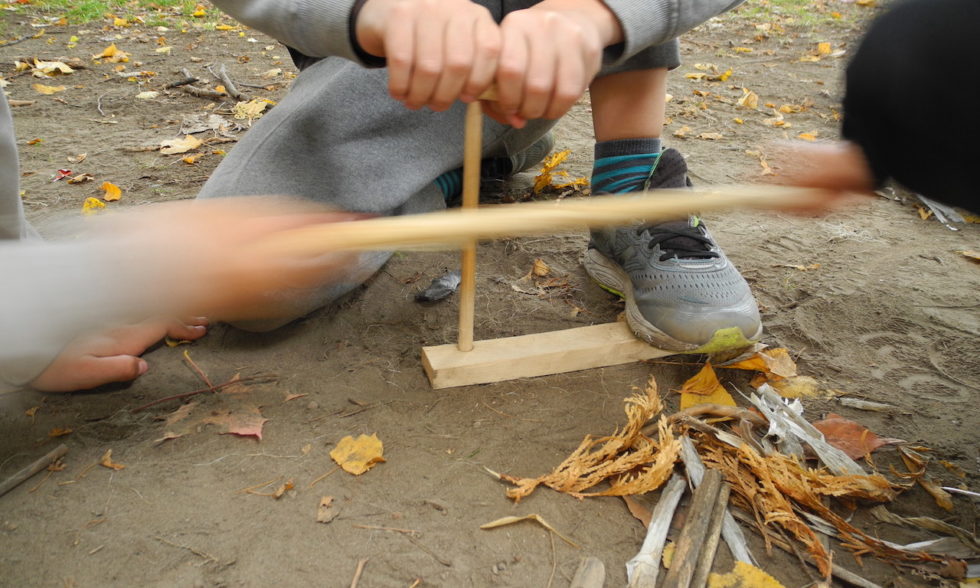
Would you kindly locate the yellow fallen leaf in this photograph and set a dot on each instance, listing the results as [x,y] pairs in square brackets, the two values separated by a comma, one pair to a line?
[704,388]
[250,110]
[192,159]
[810,58]
[749,99]
[148,95]
[200,11]
[220,89]
[175,146]
[743,50]
[797,387]
[667,557]
[52,67]
[531,517]
[544,178]
[112,54]
[807,136]
[696,76]
[112,192]
[973,255]
[224,27]
[790,108]
[81,178]
[357,456]
[120,22]
[92,206]
[738,121]
[166,50]
[106,461]
[35,141]
[724,77]
[743,576]
[47,90]
[823,48]
[710,136]
[682,132]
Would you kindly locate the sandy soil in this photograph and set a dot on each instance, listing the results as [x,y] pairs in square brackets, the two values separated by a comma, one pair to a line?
[890,315]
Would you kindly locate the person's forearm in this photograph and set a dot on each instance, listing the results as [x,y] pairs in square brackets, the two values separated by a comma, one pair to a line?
[317,28]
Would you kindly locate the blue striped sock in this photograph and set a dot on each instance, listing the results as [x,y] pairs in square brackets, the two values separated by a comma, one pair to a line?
[451,183]
[624,165]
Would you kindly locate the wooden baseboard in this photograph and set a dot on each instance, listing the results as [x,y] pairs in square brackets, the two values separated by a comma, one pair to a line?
[541,354]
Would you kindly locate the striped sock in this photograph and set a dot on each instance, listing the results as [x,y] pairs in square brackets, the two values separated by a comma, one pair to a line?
[624,165]
[451,183]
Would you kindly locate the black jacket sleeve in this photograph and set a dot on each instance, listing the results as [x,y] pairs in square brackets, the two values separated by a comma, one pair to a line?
[911,98]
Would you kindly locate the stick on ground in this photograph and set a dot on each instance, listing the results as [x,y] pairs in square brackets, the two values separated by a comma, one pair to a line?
[24,474]
[643,569]
[691,540]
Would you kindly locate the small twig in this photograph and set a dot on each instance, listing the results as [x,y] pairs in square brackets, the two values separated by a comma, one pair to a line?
[184,82]
[317,481]
[250,379]
[35,467]
[197,552]
[257,486]
[554,560]
[98,105]
[203,93]
[197,370]
[41,483]
[410,532]
[259,86]
[358,572]
[225,79]
[434,555]
[22,39]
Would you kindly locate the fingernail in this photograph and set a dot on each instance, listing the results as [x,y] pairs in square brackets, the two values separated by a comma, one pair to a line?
[143,366]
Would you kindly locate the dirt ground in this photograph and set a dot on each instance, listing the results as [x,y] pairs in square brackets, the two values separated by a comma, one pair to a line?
[887,310]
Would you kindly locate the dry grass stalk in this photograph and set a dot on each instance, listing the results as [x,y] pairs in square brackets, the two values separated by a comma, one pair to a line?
[632,462]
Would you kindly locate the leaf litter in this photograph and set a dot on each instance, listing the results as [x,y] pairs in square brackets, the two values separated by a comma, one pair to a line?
[779,490]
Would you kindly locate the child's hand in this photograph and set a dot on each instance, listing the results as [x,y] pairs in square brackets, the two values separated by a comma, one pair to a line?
[839,167]
[551,52]
[438,51]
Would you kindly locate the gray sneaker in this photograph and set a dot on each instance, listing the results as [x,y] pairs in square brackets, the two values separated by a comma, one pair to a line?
[682,293]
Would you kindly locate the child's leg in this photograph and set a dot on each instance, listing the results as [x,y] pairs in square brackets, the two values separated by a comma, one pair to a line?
[681,291]
[340,139]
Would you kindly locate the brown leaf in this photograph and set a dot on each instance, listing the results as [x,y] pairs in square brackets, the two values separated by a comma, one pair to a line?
[58,432]
[180,414]
[774,363]
[850,437]
[640,512]
[106,461]
[703,388]
[244,422]
[326,512]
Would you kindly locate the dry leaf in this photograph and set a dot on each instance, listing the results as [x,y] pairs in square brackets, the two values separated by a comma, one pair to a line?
[58,432]
[281,490]
[112,54]
[743,576]
[972,255]
[192,159]
[92,206]
[48,68]
[47,90]
[540,268]
[250,110]
[710,136]
[704,388]
[31,412]
[531,517]
[682,132]
[667,556]
[77,158]
[272,73]
[176,146]
[775,363]
[850,437]
[112,192]
[807,136]
[357,456]
[545,178]
[106,461]
[180,414]
[749,99]
[798,387]
[326,511]
[823,48]
[81,178]
[640,512]
[244,422]
[148,95]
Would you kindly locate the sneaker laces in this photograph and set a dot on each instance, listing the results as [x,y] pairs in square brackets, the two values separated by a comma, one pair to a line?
[678,239]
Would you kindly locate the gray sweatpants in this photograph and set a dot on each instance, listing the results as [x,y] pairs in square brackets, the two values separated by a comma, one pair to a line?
[338,138]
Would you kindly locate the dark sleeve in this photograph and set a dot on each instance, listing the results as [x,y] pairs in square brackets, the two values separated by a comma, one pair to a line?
[911,98]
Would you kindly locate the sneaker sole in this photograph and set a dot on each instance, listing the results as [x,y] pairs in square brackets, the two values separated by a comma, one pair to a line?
[612,278]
